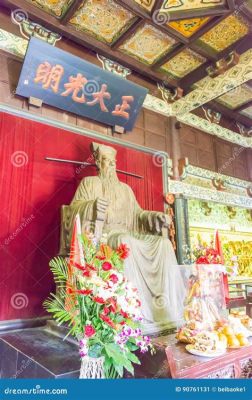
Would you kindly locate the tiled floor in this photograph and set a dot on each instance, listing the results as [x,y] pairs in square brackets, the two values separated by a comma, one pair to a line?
[37,353]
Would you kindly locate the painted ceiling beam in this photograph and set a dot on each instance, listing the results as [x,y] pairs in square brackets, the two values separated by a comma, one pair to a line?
[215,87]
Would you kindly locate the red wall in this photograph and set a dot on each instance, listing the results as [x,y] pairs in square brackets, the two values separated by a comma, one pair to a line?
[33,191]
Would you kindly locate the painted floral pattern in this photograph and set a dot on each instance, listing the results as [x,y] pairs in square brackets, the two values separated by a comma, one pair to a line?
[148,44]
[236,97]
[187,27]
[55,7]
[103,19]
[227,32]
[181,5]
[183,63]
[146,4]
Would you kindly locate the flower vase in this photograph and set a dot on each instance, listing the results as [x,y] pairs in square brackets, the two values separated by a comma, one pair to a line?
[92,368]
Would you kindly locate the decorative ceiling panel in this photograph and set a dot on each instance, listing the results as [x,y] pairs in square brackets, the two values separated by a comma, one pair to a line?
[227,32]
[247,112]
[146,4]
[183,63]
[186,5]
[236,97]
[187,27]
[54,7]
[103,19]
[248,3]
[147,44]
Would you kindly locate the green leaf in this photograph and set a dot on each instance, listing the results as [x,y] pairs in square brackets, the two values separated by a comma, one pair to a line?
[131,346]
[114,351]
[119,369]
[132,357]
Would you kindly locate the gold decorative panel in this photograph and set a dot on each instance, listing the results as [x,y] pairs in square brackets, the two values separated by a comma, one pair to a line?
[54,7]
[103,19]
[147,44]
[146,4]
[187,27]
[236,97]
[186,5]
[247,112]
[227,32]
[183,63]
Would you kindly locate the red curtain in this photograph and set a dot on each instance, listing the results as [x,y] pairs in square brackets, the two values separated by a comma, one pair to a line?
[33,191]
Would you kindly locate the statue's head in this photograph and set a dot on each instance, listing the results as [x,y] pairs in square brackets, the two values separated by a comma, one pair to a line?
[105,159]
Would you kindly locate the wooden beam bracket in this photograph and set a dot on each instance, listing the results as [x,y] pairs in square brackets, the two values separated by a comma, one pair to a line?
[223,64]
[170,95]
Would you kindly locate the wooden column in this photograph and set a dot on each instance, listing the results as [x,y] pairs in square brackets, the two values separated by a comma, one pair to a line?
[175,146]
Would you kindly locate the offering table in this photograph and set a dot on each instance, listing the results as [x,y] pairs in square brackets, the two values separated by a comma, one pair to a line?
[235,363]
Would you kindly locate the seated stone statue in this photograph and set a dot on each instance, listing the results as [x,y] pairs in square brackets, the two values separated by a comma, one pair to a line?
[108,206]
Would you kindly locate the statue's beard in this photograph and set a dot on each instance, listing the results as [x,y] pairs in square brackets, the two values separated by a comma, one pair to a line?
[109,176]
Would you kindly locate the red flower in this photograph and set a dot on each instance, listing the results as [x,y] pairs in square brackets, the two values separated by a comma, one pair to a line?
[100,257]
[86,292]
[124,314]
[113,278]
[90,266]
[86,273]
[99,300]
[78,266]
[89,330]
[70,291]
[106,266]
[106,310]
[108,321]
[113,305]
[202,260]
[122,251]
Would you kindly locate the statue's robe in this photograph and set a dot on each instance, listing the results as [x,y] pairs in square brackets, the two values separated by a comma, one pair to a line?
[151,265]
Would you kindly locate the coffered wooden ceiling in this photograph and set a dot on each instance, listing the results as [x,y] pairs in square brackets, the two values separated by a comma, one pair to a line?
[171,41]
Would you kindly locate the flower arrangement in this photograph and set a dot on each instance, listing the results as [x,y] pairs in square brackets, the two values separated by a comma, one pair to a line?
[100,306]
[205,255]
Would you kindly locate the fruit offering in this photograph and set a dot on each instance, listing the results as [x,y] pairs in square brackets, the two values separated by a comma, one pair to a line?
[188,332]
[232,336]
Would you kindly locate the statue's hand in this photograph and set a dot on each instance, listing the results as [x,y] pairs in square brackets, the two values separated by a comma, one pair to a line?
[161,221]
[101,205]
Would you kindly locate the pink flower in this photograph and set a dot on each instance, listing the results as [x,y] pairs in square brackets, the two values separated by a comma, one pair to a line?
[89,330]
[106,266]
[113,278]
